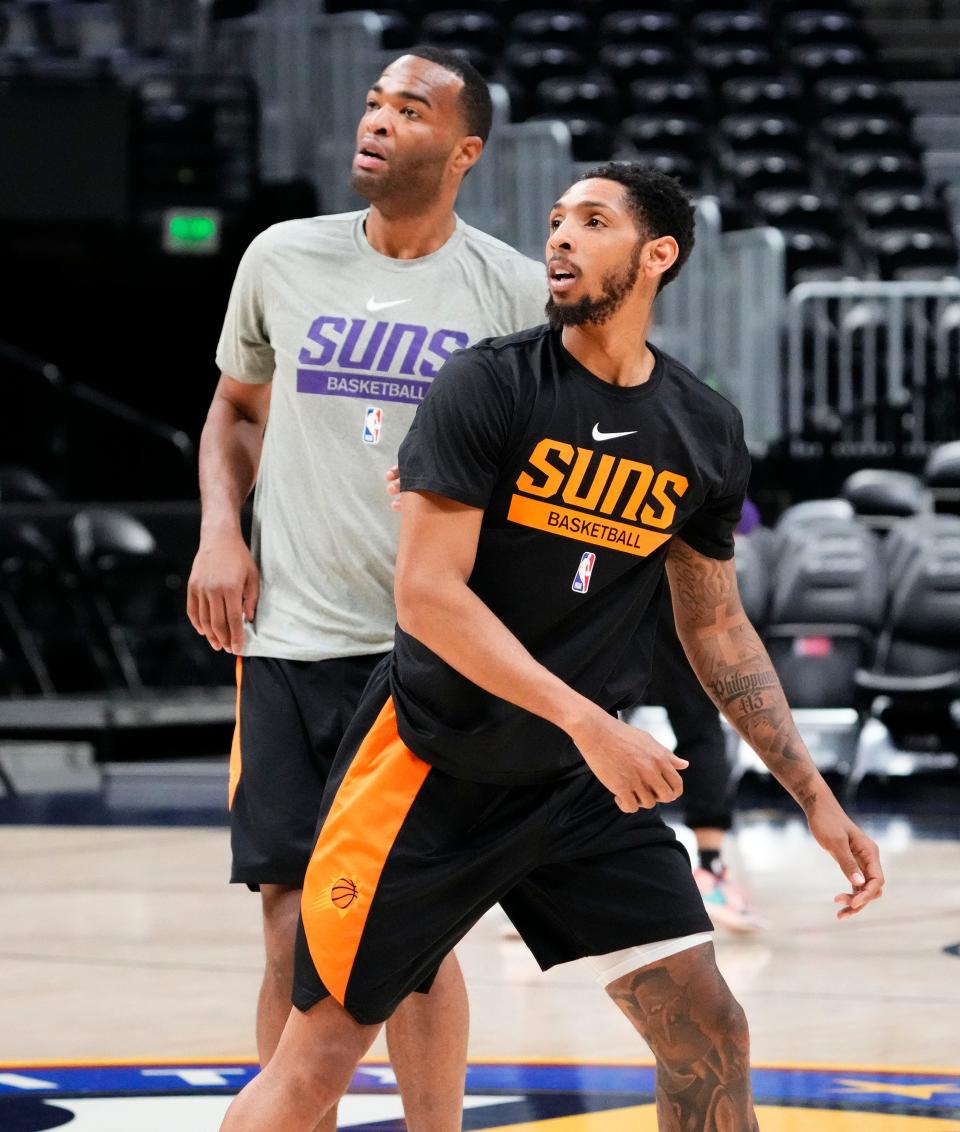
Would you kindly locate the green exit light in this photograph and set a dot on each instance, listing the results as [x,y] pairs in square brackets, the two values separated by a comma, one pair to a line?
[191,232]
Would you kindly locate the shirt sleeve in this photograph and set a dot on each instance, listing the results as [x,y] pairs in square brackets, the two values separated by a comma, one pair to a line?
[457,439]
[709,530]
[244,350]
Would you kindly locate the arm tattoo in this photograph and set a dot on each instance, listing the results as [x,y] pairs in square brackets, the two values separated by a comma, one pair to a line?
[730,661]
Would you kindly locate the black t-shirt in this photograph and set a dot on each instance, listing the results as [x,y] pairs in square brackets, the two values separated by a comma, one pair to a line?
[582,484]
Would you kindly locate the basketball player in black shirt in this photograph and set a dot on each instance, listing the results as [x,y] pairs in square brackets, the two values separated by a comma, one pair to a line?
[549,479]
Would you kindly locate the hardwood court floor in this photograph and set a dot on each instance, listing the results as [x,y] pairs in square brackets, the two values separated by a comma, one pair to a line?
[127,943]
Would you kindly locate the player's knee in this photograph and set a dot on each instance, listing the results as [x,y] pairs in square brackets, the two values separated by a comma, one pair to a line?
[310,1080]
[281,909]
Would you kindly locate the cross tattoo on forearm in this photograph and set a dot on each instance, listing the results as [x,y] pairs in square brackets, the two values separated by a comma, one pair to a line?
[722,625]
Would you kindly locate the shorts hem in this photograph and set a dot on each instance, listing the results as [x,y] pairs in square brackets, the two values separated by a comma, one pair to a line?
[254,878]
[694,925]
[307,1000]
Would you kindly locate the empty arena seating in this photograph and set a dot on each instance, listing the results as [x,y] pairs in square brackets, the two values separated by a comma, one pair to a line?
[46,627]
[942,477]
[826,605]
[137,595]
[913,682]
[738,100]
[880,496]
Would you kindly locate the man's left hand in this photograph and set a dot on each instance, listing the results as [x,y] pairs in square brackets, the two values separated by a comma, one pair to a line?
[854,852]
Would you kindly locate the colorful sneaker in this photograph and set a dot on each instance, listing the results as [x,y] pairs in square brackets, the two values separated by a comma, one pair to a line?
[726,903]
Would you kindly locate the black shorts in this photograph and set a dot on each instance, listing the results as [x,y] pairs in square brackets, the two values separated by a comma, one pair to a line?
[408,858]
[291,717]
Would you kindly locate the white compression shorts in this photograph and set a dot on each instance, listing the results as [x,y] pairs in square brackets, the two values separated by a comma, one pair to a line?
[609,968]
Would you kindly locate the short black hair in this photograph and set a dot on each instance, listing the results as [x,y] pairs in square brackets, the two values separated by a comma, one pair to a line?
[659,204]
[475,104]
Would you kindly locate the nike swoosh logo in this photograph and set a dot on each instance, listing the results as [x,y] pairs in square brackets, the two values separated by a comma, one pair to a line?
[373,305]
[598,435]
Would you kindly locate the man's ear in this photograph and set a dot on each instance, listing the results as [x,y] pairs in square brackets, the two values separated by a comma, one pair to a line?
[659,255]
[467,154]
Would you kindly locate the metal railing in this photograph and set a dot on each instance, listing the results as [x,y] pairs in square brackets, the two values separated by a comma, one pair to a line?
[684,316]
[748,281]
[879,357]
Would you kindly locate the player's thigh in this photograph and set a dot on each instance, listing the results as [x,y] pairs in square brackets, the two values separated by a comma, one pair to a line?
[609,881]
[407,860]
[292,715]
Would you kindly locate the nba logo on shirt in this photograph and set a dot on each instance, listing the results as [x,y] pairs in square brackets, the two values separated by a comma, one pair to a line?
[372,425]
[581,583]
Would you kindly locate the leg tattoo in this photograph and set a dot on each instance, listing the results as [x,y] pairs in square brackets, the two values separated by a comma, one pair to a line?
[698,1034]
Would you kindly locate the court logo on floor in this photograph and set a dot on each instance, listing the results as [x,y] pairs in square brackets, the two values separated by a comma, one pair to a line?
[192,1097]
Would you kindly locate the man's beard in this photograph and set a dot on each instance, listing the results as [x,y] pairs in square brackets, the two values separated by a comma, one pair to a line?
[415,183]
[614,288]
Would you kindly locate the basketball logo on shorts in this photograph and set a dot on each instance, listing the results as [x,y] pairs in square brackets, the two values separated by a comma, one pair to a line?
[343,892]
[340,894]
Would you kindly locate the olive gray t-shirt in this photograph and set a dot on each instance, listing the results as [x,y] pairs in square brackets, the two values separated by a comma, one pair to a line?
[351,341]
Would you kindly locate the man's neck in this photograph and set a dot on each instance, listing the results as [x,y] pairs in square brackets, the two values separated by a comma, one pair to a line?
[617,350]
[401,235]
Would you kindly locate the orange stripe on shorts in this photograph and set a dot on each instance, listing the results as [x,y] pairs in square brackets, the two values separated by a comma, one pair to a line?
[235,760]
[356,838]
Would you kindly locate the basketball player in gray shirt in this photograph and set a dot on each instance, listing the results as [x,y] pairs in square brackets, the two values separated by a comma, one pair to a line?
[335,328]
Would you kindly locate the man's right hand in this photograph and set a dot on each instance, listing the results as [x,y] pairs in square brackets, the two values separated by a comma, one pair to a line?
[637,770]
[223,589]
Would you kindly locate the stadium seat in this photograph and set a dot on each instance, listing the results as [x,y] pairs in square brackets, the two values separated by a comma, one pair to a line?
[759,170]
[531,63]
[591,139]
[626,62]
[882,496]
[552,25]
[688,172]
[399,31]
[753,578]
[724,61]
[139,597]
[762,131]
[412,9]
[811,514]
[887,208]
[730,27]
[942,476]
[782,8]
[21,485]
[673,134]
[45,619]
[917,252]
[826,606]
[820,27]
[798,209]
[684,96]
[484,61]
[820,61]
[641,26]
[811,252]
[473,26]
[878,169]
[860,131]
[762,95]
[914,681]
[594,97]
[853,95]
